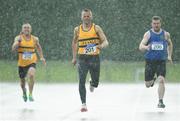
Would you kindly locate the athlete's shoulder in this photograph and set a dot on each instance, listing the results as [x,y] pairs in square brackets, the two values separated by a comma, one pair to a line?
[147,34]
[167,35]
[97,26]
[35,38]
[166,32]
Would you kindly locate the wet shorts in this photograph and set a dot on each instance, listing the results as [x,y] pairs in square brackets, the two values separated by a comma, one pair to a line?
[153,67]
[23,70]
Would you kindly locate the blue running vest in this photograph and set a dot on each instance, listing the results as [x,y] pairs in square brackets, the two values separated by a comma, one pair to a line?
[158,46]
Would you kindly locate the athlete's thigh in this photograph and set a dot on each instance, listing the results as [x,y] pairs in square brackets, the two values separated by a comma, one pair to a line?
[149,71]
[82,69]
[94,68]
[161,69]
[32,69]
[22,72]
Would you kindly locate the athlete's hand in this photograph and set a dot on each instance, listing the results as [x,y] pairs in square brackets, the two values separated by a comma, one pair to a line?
[19,42]
[43,61]
[99,46]
[15,46]
[170,59]
[74,61]
[147,47]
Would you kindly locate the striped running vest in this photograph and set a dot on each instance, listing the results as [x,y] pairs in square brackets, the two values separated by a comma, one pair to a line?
[88,41]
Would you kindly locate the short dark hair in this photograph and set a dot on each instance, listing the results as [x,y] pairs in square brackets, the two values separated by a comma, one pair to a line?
[86,10]
[156,18]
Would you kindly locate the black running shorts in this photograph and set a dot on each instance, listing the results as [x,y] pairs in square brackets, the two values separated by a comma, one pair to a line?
[23,70]
[153,67]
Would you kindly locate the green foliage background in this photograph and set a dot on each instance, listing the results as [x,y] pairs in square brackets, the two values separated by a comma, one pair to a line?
[123,21]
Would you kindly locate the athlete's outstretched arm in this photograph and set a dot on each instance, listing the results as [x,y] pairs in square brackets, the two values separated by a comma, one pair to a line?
[170,47]
[39,50]
[103,39]
[143,45]
[74,45]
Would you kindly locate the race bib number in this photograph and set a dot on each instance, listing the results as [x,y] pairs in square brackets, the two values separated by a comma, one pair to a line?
[90,49]
[157,46]
[27,56]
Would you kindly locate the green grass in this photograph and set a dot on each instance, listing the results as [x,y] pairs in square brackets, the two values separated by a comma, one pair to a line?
[63,71]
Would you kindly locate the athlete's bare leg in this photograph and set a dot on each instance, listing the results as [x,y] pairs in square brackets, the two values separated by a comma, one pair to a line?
[31,76]
[23,85]
[161,88]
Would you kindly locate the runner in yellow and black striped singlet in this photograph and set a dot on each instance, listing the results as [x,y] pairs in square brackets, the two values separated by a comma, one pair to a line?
[26,45]
[87,42]
[26,51]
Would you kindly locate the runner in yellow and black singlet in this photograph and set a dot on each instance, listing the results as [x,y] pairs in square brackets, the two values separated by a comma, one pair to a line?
[26,46]
[87,42]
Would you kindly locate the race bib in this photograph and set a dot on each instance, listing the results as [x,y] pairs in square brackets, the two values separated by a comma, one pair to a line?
[90,49]
[157,46]
[27,55]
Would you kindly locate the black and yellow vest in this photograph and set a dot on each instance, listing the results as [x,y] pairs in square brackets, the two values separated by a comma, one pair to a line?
[26,52]
[87,41]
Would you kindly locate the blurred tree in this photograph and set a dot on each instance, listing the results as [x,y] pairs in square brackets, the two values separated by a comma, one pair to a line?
[53,21]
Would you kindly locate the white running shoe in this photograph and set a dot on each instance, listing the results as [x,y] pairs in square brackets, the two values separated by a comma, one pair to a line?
[91,88]
[84,108]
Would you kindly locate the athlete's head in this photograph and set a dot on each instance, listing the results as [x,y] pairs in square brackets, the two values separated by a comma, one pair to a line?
[86,16]
[156,23]
[26,29]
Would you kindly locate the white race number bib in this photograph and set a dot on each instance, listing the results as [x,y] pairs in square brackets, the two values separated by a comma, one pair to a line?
[157,46]
[27,55]
[90,49]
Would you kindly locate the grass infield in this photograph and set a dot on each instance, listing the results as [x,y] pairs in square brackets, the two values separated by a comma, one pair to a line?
[63,71]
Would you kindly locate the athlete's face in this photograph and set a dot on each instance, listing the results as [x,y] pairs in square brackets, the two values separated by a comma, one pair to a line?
[156,25]
[26,29]
[86,17]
